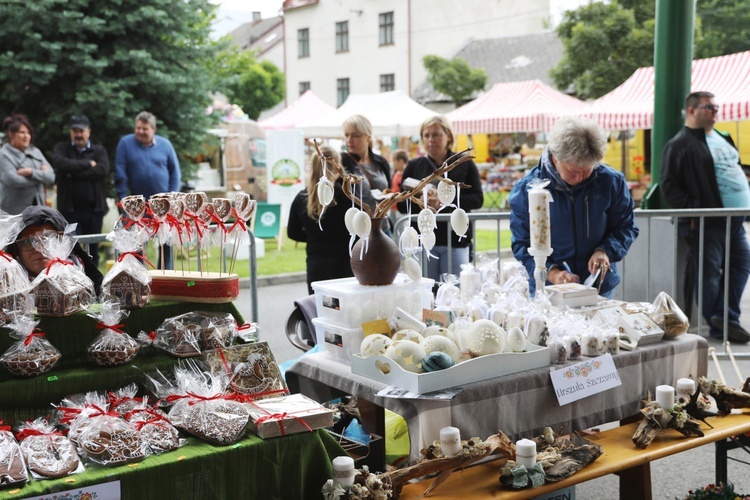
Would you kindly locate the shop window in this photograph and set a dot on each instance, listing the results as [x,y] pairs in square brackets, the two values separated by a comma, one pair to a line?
[303,87]
[387,83]
[342,36]
[303,42]
[386,28]
[342,90]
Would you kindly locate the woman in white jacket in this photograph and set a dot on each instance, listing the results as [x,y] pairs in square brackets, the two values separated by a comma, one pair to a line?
[24,171]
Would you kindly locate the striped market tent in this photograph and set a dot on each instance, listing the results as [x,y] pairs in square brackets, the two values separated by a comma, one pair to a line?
[530,106]
[631,105]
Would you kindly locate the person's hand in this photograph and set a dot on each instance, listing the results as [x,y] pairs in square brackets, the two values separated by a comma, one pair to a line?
[46,167]
[24,172]
[92,163]
[599,260]
[559,276]
[432,198]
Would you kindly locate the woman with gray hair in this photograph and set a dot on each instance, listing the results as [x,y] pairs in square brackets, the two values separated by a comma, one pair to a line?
[591,214]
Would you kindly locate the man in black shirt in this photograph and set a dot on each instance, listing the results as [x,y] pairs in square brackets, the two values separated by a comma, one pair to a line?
[82,168]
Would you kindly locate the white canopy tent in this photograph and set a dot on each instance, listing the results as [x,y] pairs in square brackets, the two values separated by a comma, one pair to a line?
[392,114]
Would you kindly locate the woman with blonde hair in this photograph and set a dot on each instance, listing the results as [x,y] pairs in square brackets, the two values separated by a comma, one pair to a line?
[327,249]
[437,139]
[359,158]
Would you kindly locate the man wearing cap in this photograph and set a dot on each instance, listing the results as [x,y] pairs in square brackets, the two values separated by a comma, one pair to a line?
[82,168]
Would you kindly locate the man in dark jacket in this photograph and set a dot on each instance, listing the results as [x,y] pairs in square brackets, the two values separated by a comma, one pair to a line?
[700,168]
[82,168]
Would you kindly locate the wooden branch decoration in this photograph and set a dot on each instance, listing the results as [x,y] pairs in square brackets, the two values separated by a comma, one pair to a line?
[382,208]
[726,397]
[657,418]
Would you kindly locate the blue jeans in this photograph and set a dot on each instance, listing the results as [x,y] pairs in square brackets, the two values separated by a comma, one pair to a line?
[436,267]
[713,269]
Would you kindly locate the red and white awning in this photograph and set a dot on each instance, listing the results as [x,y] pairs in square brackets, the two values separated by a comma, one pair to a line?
[305,108]
[631,105]
[530,106]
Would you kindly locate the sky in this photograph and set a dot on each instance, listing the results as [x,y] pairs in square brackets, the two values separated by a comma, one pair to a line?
[233,13]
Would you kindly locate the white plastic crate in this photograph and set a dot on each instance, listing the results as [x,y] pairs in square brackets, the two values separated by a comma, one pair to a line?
[337,342]
[347,303]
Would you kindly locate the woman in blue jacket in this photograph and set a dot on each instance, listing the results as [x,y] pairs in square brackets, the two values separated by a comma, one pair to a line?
[591,214]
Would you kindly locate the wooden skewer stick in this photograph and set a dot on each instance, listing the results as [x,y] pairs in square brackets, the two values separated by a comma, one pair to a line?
[734,364]
[712,352]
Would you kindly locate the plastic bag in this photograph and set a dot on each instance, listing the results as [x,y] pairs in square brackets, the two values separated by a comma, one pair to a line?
[127,282]
[12,465]
[155,428]
[108,439]
[188,334]
[667,314]
[124,399]
[48,453]
[33,354]
[112,347]
[14,280]
[63,288]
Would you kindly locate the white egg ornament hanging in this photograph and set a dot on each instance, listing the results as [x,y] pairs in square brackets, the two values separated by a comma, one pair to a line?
[412,269]
[460,222]
[408,243]
[362,224]
[426,221]
[446,192]
[325,196]
[428,240]
[349,219]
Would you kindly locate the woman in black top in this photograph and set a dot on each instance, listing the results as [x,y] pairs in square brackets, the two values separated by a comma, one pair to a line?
[437,139]
[359,158]
[327,250]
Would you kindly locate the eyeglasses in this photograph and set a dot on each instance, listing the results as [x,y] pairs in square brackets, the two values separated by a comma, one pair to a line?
[714,108]
[25,245]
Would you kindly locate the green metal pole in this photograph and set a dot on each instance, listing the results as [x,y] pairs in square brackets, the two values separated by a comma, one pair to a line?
[673,56]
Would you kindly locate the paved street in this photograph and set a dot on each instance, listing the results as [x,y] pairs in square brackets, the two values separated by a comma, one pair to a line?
[672,477]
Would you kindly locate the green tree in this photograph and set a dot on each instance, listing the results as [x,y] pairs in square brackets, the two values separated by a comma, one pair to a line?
[605,42]
[109,60]
[454,78]
[252,85]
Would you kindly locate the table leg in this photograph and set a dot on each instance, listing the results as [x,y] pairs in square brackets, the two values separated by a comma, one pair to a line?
[722,446]
[636,482]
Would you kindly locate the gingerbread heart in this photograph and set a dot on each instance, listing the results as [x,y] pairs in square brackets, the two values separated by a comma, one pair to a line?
[177,208]
[134,206]
[223,208]
[195,202]
[160,206]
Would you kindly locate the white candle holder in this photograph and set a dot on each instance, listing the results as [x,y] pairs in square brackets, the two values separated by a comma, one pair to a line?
[526,453]
[665,396]
[450,441]
[343,471]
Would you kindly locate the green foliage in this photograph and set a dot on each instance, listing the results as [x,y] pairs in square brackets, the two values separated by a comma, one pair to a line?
[454,78]
[252,85]
[605,42]
[109,60]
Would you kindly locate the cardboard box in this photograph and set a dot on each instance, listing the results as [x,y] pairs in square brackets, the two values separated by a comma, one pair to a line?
[347,303]
[389,372]
[640,328]
[572,295]
[283,416]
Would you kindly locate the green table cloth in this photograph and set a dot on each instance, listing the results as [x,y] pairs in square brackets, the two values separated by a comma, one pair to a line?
[26,398]
[290,467]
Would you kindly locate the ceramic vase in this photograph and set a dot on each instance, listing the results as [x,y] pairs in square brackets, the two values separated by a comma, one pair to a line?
[379,265]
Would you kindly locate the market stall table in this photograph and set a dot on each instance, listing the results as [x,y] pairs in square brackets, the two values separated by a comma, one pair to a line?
[26,398]
[519,404]
[293,466]
[620,456]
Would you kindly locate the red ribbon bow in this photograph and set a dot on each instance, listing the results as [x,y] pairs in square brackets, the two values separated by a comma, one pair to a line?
[4,427]
[239,221]
[115,401]
[24,433]
[158,419]
[279,419]
[35,333]
[172,221]
[6,256]
[115,328]
[57,260]
[101,413]
[196,398]
[69,414]
[137,255]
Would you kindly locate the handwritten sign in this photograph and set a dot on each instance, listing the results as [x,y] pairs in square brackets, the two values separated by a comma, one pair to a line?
[584,379]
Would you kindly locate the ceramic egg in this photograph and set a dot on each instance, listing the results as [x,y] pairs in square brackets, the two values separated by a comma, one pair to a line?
[436,361]
[485,337]
[536,330]
[408,334]
[516,340]
[349,219]
[408,243]
[446,192]
[426,221]
[325,192]
[407,354]
[375,345]
[428,240]
[439,330]
[412,269]
[460,221]
[439,343]
[361,224]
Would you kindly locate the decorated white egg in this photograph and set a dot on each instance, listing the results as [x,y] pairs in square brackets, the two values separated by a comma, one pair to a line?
[460,221]
[436,361]
[516,340]
[408,334]
[361,224]
[349,219]
[485,337]
[446,192]
[428,240]
[375,345]
[407,354]
[412,269]
[408,243]
[325,191]
[441,344]
[426,221]
[439,330]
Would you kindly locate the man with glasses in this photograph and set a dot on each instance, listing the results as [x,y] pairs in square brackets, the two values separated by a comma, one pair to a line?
[700,168]
[82,168]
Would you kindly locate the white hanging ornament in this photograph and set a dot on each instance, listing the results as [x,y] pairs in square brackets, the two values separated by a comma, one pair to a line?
[412,269]
[460,222]
[446,192]
[349,219]
[361,224]
[325,196]
[428,240]
[426,221]
[408,243]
